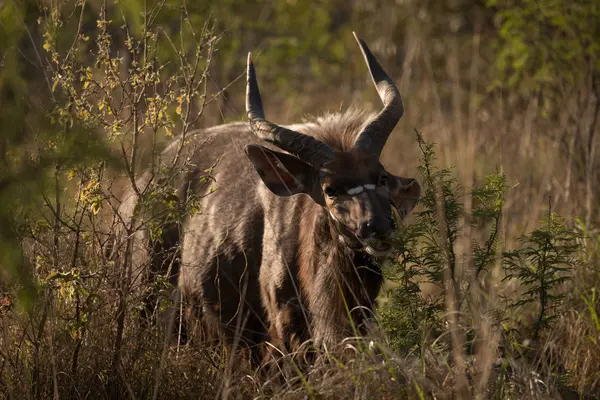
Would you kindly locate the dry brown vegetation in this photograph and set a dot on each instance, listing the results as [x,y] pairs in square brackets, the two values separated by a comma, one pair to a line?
[71,313]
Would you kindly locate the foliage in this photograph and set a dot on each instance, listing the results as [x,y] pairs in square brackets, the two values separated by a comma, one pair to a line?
[541,268]
[428,247]
[548,51]
[33,150]
[488,205]
[543,264]
[92,90]
[102,102]
[547,47]
[440,218]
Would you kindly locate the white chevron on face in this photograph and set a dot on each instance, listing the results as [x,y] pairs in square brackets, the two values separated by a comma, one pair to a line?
[360,189]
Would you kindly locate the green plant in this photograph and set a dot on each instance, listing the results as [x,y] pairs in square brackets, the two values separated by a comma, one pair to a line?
[488,205]
[64,65]
[548,54]
[542,264]
[427,251]
[114,82]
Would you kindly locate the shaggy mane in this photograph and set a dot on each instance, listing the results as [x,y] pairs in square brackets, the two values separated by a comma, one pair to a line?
[338,130]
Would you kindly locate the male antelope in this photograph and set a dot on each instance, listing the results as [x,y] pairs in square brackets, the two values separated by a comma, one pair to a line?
[284,259]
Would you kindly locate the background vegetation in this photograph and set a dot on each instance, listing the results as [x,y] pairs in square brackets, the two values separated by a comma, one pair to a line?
[494,291]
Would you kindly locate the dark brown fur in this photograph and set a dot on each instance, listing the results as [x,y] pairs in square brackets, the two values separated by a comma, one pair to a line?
[256,266]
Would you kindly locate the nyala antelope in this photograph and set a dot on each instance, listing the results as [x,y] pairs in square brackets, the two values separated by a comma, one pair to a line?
[292,237]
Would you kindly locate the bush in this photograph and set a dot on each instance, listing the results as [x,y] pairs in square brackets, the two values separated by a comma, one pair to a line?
[465,314]
[489,304]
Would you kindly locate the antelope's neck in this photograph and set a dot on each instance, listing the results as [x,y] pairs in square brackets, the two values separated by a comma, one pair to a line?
[323,253]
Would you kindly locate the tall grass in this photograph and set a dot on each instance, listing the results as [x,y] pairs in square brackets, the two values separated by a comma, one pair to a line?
[490,295]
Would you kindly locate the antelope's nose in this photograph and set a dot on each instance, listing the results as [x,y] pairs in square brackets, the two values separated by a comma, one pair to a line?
[372,227]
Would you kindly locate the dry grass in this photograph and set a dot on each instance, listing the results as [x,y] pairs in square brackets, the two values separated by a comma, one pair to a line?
[64,347]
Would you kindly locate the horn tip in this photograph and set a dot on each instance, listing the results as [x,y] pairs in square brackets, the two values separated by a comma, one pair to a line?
[358,39]
[254,108]
[250,74]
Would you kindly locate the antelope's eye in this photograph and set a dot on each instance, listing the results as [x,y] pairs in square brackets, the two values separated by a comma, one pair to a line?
[329,191]
[383,180]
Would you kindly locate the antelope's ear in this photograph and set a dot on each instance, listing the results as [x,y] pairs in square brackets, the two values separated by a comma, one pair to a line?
[283,174]
[405,194]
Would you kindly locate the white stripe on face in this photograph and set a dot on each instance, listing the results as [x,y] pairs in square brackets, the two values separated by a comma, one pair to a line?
[360,189]
[356,190]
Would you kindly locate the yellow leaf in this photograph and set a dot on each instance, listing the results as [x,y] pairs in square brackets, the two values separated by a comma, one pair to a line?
[178,110]
[47,46]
